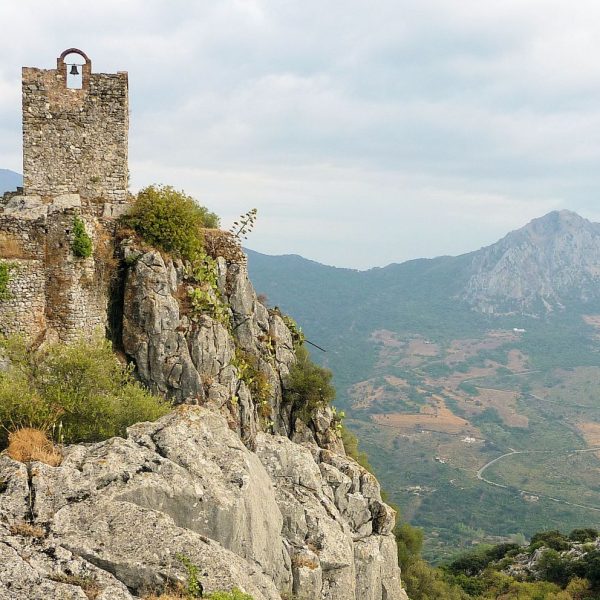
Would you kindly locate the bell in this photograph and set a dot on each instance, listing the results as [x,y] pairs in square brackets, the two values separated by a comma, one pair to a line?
[73,70]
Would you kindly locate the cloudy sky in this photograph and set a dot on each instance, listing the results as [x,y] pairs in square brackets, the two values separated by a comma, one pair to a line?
[364,132]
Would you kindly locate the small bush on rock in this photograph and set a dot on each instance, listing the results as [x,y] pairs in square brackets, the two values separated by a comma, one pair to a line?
[234,594]
[82,387]
[352,449]
[308,386]
[5,269]
[82,243]
[170,220]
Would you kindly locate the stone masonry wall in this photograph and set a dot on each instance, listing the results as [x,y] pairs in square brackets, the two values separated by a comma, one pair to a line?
[52,293]
[75,140]
[22,246]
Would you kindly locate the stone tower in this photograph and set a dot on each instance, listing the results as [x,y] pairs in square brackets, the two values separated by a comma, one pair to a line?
[75,126]
[75,131]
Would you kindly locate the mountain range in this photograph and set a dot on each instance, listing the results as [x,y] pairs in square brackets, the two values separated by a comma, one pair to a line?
[499,347]
[547,264]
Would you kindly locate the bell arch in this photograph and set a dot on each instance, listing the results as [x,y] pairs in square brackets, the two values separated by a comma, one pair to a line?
[76,74]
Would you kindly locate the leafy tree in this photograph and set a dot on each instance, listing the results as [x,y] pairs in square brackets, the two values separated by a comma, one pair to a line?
[409,541]
[583,535]
[578,588]
[552,567]
[471,563]
[552,539]
[591,563]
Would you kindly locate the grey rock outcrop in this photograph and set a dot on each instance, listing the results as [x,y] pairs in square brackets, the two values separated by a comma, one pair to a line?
[197,359]
[232,479]
[285,519]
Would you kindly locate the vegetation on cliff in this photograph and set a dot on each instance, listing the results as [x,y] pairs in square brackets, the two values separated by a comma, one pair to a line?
[81,245]
[79,392]
[170,220]
[308,386]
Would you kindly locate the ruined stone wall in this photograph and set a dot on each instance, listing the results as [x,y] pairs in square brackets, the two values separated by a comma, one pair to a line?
[52,293]
[22,246]
[75,140]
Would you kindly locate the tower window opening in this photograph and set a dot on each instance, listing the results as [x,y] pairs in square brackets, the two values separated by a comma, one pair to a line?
[74,66]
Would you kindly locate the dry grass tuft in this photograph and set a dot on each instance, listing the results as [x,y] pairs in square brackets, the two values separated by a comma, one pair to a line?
[88,584]
[304,560]
[28,444]
[107,262]
[174,591]
[167,596]
[27,530]
[10,247]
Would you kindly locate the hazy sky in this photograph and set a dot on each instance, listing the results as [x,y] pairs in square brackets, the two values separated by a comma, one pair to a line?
[365,132]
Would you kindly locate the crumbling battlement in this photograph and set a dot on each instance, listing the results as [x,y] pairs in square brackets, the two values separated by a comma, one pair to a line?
[75,138]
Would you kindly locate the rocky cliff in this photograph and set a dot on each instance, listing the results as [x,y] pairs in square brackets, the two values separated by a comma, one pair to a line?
[233,479]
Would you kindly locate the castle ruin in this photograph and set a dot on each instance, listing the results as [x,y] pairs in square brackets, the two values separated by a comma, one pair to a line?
[75,136]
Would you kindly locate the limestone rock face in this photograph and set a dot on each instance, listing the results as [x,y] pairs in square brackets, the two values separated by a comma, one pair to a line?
[286,519]
[194,359]
[232,480]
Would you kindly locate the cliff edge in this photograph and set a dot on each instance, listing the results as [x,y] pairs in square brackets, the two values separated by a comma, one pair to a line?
[233,481]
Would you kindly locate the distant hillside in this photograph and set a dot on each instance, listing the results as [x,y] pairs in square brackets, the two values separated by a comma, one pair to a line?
[9,180]
[550,263]
[545,266]
[443,365]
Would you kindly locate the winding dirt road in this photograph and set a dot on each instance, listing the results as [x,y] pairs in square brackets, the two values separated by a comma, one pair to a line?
[513,452]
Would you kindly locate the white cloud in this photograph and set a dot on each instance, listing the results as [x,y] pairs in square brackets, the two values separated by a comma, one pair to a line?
[366,133]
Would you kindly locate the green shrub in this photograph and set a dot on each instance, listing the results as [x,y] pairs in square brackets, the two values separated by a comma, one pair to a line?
[82,243]
[170,220]
[423,582]
[234,594]
[5,269]
[297,336]
[193,586]
[551,539]
[204,296]
[249,371]
[83,387]
[308,386]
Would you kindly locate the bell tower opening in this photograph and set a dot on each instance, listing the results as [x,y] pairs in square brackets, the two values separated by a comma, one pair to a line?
[75,67]
[74,71]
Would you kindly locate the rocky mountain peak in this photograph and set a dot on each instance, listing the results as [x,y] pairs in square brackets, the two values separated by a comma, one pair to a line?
[550,261]
[555,224]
